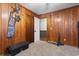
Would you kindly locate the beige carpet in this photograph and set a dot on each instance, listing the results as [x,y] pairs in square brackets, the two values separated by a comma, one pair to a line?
[42,48]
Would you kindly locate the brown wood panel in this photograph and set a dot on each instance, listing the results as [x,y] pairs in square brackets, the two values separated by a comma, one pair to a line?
[24,29]
[48,27]
[29,12]
[67,26]
[4,25]
[0,29]
[29,26]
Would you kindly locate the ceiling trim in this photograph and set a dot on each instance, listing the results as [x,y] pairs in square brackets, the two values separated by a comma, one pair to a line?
[29,10]
[49,13]
[44,15]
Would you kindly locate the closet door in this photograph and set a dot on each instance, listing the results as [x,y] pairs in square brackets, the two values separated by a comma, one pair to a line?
[27,24]
[29,28]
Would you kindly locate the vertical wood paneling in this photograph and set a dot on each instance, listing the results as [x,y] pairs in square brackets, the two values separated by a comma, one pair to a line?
[0,29]
[49,27]
[67,25]
[4,26]
[23,28]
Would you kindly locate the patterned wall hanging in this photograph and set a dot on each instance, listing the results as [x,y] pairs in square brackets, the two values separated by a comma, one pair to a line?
[11,25]
[13,18]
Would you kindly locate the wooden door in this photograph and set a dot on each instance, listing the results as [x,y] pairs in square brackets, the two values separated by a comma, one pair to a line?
[29,28]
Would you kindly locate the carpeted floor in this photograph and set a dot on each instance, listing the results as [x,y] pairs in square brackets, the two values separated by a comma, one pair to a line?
[42,48]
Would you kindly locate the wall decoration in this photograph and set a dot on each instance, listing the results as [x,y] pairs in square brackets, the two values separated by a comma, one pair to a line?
[17,15]
[11,25]
[13,18]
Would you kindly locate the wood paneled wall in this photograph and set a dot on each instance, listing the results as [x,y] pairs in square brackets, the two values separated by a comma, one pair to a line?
[24,29]
[67,26]
[0,30]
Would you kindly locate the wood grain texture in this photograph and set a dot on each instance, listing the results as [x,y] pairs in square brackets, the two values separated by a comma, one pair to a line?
[29,12]
[67,26]
[0,29]
[23,29]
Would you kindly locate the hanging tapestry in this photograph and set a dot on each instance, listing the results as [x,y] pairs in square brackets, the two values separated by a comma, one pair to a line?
[11,25]
[13,18]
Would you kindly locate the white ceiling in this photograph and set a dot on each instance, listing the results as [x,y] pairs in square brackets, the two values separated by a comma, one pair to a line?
[41,8]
